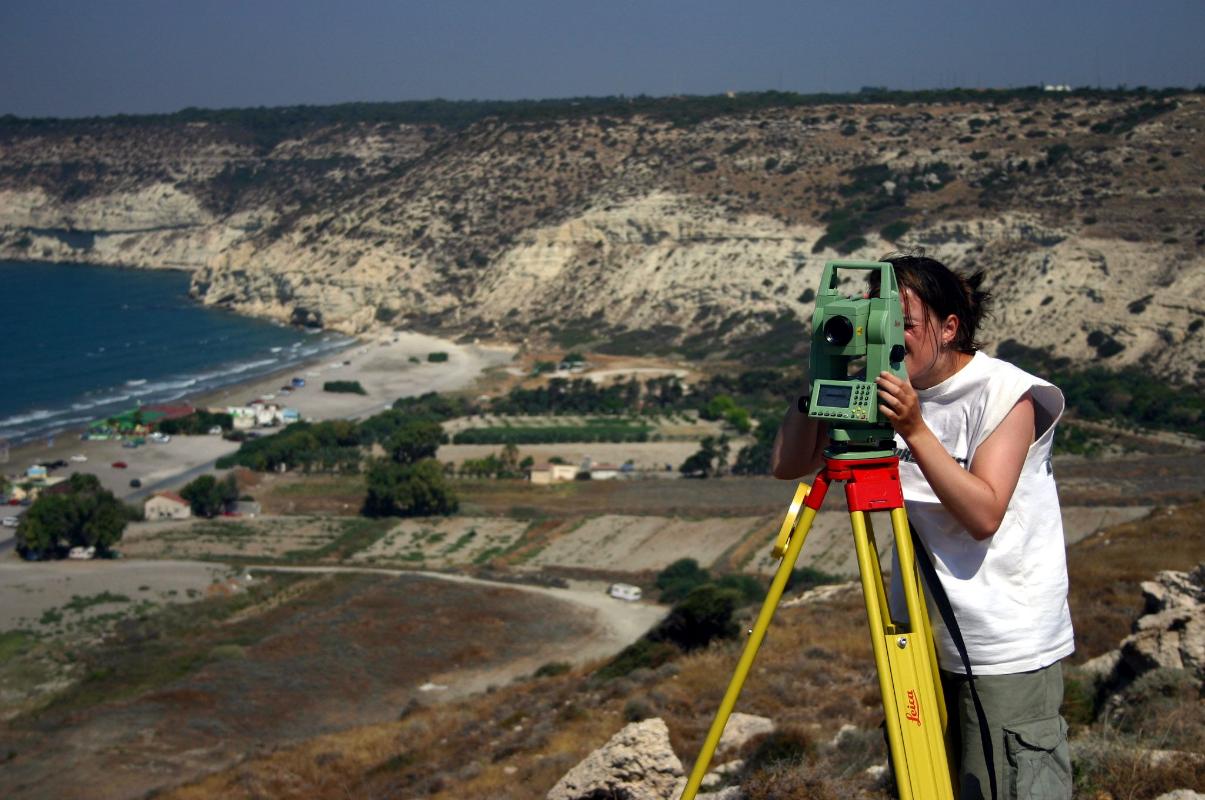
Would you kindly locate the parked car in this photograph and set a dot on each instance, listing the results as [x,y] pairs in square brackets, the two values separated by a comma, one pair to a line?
[119,465]
[160,438]
[11,522]
[135,483]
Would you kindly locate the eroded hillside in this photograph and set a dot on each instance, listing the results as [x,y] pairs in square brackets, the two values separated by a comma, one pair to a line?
[1084,209]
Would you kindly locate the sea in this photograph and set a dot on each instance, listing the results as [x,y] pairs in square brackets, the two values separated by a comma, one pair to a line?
[79,343]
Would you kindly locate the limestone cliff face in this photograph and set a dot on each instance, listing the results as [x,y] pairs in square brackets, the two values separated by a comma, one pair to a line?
[1085,214]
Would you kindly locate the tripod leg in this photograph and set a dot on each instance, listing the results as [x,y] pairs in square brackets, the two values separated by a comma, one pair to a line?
[921,624]
[877,570]
[911,697]
[799,529]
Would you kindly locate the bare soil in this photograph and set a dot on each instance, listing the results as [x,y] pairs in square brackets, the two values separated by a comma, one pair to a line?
[353,649]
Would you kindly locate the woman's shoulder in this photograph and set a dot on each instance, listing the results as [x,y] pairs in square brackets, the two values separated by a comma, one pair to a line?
[1012,382]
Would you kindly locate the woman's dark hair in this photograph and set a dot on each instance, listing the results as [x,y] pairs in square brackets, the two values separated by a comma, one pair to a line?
[945,292]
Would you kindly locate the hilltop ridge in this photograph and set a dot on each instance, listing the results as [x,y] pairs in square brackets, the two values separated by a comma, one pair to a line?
[704,220]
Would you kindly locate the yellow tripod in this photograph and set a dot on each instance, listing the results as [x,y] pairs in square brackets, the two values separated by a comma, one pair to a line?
[904,654]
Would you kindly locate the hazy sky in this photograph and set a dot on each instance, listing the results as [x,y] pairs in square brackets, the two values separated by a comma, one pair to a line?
[84,57]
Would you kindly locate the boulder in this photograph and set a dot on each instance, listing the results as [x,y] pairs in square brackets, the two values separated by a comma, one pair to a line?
[638,763]
[1171,634]
[740,729]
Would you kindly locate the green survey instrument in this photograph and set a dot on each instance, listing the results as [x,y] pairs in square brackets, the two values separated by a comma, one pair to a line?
[860,455]
[854,338]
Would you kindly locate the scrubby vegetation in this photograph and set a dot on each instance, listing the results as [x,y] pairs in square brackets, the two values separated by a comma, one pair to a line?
[1128,396]
[591,431]
[85,515]
[197,423]
[343,387]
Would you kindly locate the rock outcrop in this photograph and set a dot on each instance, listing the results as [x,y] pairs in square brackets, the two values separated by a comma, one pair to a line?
[1083,211]
[638,763]
[1170,634]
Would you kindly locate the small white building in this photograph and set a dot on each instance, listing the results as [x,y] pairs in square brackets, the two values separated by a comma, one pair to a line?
[544,474]
[603,472]
[166,505]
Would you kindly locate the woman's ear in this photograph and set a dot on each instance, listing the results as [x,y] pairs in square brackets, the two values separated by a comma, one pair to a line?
[949,331]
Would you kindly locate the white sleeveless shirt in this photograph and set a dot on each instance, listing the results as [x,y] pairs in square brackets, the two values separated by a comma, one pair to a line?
[1009,591]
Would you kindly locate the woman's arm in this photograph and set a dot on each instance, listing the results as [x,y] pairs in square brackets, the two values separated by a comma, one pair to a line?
[979,496]
[799,445]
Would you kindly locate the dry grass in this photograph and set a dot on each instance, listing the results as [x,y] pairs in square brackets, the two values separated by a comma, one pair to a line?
[814,674]
[1106,571]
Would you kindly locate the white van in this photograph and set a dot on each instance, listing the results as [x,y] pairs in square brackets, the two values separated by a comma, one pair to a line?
[625,591]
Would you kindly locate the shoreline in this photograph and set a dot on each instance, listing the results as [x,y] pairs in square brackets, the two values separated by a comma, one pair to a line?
[387,365]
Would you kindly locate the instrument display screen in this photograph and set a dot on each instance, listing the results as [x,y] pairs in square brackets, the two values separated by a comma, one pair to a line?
[833,396]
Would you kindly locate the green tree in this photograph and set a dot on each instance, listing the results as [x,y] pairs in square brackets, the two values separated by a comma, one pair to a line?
[208,496]
[679,578]
[710,460]
[705,614]
[408,490]
[86,515]
[754,459]
[414,440]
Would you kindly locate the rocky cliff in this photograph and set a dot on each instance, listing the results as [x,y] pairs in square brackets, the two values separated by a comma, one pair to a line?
[1085,210]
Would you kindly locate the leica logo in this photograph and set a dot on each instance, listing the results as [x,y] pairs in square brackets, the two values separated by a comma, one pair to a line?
[913,714]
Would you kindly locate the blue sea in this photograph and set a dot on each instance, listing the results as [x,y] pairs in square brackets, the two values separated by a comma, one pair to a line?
[79,343]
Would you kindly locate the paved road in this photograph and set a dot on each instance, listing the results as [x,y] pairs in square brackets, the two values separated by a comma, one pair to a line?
[173,481]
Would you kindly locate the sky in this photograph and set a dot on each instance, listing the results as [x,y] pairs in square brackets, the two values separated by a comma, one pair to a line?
[71,58]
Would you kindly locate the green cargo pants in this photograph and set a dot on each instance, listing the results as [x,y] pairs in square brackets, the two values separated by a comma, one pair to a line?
[1028,736]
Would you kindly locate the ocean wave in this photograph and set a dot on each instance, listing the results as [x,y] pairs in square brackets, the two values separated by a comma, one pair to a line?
[32,416]
[100,402]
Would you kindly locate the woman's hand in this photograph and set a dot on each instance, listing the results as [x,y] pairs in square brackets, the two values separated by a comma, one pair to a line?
[899,404]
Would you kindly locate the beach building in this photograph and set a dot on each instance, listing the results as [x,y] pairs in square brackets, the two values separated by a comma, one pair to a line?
[166,505]
[261,415]
[544,474]
[136,421]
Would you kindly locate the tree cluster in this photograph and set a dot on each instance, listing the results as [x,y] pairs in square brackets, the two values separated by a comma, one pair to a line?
[208,497]
[709,461]
[197,423]
[343,387]
[409,482]
[85,515]
[331,446]
[592,431]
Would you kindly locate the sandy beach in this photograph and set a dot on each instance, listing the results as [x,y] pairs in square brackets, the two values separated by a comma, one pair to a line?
[387,366]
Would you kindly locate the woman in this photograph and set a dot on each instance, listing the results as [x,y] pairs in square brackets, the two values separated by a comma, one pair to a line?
[974,437]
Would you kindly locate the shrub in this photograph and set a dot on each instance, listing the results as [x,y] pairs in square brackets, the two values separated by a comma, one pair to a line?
[804,578]
[788,746]
[551,669]
[643,653]
[343,387]
[679,579]
[705,614]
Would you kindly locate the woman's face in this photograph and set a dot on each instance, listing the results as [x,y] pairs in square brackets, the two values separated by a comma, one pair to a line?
[922,341]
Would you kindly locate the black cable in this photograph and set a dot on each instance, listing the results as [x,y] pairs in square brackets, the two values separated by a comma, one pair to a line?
[947,615]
